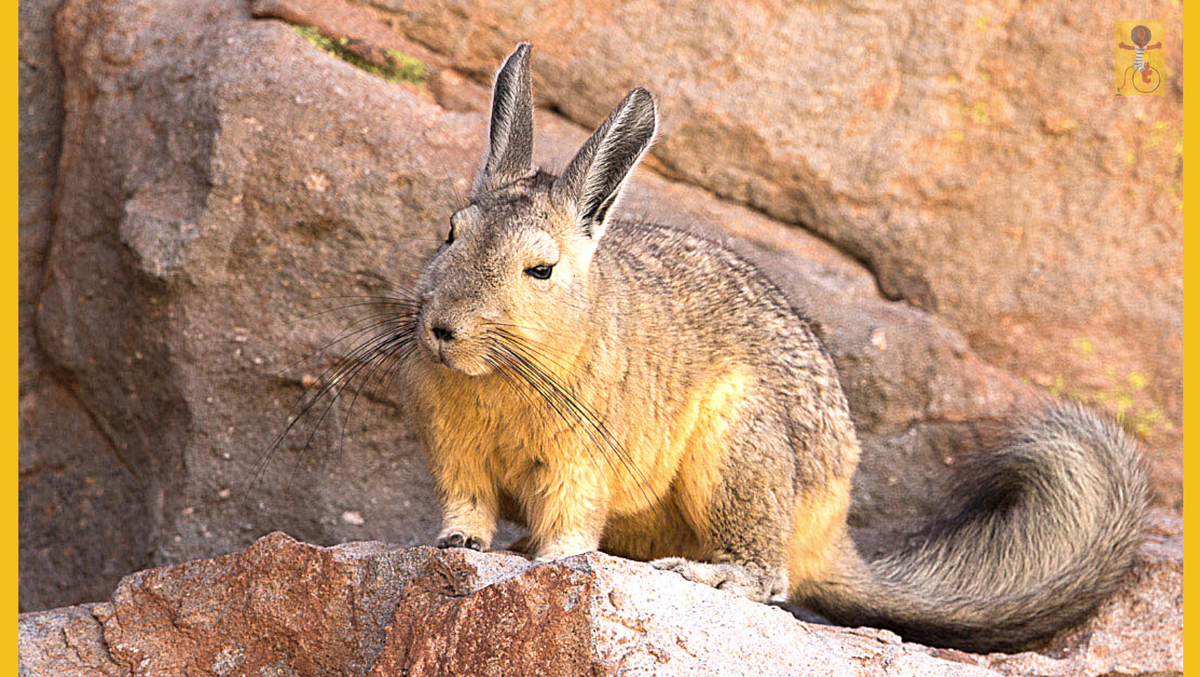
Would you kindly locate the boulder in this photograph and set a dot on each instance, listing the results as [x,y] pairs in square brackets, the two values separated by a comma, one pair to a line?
[66,642]
[76,501]
[39,123]
[75,491]
[285,607]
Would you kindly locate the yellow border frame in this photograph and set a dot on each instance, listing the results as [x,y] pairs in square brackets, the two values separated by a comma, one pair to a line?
[9,84]
[1191,362]
[12,397]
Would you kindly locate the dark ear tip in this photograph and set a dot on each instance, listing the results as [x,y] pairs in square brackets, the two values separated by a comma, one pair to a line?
[642,101]
[642,98]
[518,60]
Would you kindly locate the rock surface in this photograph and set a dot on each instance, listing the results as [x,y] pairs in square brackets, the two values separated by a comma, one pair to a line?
[75,491]
[74,496]
[40,122]
[285,607]
[218,173]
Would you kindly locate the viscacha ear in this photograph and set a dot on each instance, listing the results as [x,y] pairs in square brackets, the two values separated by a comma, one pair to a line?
[592,183]
[510,133]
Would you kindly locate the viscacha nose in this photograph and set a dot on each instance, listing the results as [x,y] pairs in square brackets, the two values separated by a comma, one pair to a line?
[442,334]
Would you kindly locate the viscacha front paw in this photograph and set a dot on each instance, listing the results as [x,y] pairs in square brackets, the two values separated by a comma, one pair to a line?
[459,540]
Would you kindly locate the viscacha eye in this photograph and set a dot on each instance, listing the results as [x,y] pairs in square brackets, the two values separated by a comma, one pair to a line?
[541,272]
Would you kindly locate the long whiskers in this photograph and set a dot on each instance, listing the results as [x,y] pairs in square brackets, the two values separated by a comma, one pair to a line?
[383,340]
[517,357]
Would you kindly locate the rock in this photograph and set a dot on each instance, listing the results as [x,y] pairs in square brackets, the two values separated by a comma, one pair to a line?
[74,498]
[286,607]
[599,615]
[67,642]
[354,28]
[75,495]
[958,150]
[281,603]
[223,180]
[39,122]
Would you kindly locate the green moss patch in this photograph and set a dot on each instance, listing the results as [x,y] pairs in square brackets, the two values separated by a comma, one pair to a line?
[399,67]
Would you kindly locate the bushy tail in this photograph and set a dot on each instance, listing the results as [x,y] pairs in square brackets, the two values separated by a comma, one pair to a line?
[1046,528]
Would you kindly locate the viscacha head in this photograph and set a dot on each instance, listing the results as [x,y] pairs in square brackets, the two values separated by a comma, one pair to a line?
[516,259]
